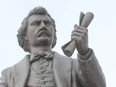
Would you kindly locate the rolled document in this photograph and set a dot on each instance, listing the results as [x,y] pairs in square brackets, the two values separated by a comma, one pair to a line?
[85,20]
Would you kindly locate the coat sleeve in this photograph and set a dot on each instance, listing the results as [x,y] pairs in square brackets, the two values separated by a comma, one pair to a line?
[89,71]
[5,78]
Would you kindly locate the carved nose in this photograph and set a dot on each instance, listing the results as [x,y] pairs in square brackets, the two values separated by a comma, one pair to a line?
[43,27]
[42,24]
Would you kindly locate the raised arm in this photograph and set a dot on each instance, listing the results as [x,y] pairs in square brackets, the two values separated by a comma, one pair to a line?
[89,71]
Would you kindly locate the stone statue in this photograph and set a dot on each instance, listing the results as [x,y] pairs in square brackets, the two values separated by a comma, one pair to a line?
[43,67]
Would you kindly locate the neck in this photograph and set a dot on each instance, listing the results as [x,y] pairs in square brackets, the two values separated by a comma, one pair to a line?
[41,48]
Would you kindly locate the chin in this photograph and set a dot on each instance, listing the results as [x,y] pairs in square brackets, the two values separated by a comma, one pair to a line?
[44,41]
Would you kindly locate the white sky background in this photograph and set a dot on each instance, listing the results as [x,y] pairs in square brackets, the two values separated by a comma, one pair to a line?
[102,32]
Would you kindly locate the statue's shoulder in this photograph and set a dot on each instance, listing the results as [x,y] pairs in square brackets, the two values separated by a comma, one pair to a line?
[57,55]
[65,59]
[62,59]
[10,70]
[7,71]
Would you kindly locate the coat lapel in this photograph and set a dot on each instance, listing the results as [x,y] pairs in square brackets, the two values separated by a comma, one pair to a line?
[21,72]
[62,70]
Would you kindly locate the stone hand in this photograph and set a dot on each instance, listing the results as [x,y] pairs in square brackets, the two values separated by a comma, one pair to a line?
[80,36]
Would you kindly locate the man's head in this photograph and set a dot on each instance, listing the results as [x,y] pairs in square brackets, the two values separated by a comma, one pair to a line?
[33,14]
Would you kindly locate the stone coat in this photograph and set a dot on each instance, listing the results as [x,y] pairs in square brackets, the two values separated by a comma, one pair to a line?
[68,72]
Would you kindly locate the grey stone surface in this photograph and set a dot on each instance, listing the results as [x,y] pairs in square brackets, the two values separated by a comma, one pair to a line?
[85,20]
[46,68]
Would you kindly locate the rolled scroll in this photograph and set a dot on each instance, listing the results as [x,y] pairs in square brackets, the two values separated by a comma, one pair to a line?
[85,20]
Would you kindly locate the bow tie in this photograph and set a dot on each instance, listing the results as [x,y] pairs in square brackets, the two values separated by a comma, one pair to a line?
[41,54]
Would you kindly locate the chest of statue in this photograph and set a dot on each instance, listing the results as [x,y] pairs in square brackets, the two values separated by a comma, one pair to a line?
[41,74]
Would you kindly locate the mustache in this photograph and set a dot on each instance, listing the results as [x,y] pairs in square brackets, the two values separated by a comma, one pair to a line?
[40,32]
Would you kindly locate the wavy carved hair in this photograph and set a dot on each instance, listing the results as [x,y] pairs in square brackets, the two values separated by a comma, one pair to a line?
[21,36]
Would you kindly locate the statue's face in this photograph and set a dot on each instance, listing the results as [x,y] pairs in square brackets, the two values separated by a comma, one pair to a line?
[40,30]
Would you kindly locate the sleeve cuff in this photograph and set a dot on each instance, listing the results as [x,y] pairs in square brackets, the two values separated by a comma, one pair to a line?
[86,57]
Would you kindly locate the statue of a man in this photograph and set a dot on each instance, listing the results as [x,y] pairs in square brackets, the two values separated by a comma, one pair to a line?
[46,68]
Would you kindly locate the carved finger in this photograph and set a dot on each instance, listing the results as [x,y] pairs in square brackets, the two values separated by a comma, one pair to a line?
[80,27]
[79,30]
[76,34]
[76,38]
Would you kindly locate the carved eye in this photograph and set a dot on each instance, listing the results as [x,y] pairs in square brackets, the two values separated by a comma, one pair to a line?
[36,23]
[47,23]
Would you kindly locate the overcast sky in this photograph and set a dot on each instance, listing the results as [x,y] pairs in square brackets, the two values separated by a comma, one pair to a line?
[102,30]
